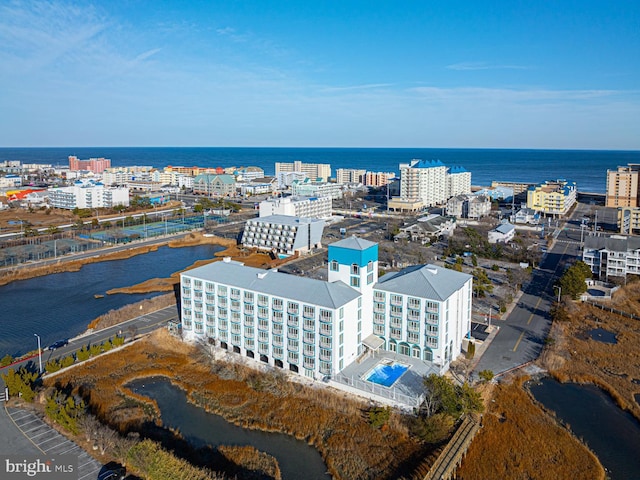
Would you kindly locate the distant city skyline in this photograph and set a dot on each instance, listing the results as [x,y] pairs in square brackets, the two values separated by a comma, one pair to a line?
[456,74]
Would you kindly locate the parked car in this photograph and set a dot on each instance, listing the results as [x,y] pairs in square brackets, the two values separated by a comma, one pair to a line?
[58,344]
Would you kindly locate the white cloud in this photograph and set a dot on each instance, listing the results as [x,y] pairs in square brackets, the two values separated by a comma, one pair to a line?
[463,66]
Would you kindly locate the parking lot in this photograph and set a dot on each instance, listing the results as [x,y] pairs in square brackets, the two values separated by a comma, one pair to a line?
[50,442]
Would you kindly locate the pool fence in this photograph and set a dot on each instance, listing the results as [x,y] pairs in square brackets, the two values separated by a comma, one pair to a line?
[388,395]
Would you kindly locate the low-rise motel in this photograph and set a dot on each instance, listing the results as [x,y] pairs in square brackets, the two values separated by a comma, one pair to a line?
[317,328]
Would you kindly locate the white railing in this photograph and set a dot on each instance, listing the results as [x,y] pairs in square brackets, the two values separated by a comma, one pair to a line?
[370,388]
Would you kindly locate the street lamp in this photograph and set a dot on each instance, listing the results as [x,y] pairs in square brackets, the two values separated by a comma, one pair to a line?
[39,353]
[559,291]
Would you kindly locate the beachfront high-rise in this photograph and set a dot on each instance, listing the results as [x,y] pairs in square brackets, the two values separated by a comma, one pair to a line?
[312,170]
[317,328]
[623,186]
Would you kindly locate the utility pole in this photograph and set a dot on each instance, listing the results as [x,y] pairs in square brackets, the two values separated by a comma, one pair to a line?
[39,353]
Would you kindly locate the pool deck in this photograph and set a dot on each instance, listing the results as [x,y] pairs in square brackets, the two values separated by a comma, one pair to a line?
[407,390]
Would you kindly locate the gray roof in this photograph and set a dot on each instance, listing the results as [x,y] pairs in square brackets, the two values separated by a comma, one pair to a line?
[353,243]
[614,243]
[285,220]
[424,281]
[272,282]
[504,228]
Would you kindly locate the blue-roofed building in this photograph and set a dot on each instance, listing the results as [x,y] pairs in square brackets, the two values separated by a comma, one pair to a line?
[552,197]
[419,315]
[431,182]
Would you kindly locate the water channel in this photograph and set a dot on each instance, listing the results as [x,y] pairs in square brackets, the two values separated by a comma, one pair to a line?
[611,433]
[297,460]
[61,305]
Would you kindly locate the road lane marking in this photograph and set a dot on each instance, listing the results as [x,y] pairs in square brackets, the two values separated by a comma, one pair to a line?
[518,342]
[535,309]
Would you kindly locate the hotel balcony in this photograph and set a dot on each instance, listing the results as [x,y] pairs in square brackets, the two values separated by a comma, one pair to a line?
[263,348]
[325,357]
[293,322]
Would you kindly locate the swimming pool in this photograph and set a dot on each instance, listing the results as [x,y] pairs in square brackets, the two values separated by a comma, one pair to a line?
[386,373]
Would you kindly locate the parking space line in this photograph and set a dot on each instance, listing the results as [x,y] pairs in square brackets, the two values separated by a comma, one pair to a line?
[29,422]
[75,447]
[55,446]
[55,437]
[41,433]
[25,414]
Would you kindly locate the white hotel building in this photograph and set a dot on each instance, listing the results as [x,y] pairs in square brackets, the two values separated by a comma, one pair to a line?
[317,328]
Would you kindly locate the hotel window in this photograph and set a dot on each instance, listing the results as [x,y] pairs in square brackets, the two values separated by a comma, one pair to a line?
[370,279]
[334,266]
[309,311]
[355,281]
[370,266]
[222,290]
[355,269]
[309,337]
[248,297]
[277,303]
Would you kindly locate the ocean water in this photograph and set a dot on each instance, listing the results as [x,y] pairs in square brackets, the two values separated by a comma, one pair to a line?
[586,167]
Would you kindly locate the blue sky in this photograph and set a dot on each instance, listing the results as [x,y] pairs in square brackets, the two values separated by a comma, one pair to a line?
[495,74]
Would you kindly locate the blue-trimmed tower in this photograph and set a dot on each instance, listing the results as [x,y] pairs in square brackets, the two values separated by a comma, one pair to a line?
[354,261]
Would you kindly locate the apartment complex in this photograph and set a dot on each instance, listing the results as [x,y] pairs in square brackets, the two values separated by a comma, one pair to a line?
[469,206]
[214,184]
[623,186]
[88,195]
[312,170]
[311,207]
[614,256]
[552,197]
[350,175]
[458,181]
[317,328]
[309,188]
[283,234]
[629,220]
[95,165]
[431,182]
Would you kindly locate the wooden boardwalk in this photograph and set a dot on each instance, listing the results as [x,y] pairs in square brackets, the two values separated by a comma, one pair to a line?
[449,459]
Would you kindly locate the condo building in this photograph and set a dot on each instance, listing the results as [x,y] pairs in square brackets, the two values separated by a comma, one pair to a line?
[614,256]
[295,206]
[309,188]
[283,234]
[317,328]
[88,195]
[312,170]
[623,186]
[431,182]
[552,197]
[95,165]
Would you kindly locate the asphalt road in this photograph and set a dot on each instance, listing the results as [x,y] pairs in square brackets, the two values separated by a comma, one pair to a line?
[24,433]
[522,334]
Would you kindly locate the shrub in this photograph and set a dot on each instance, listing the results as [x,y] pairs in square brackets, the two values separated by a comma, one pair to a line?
[486,375]
[379,416]
[83,354]
[52,366]
[495,267]
[6,360]
[21,383]
[433,429]
[117,341]
[65,410]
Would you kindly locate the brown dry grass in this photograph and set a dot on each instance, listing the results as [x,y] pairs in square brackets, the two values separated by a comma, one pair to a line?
[612,367]
[37,218]
[519,440]
[333,423]
[251,258]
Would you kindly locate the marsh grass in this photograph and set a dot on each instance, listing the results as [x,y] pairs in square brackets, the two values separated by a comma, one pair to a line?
[520,440]
[332,422]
